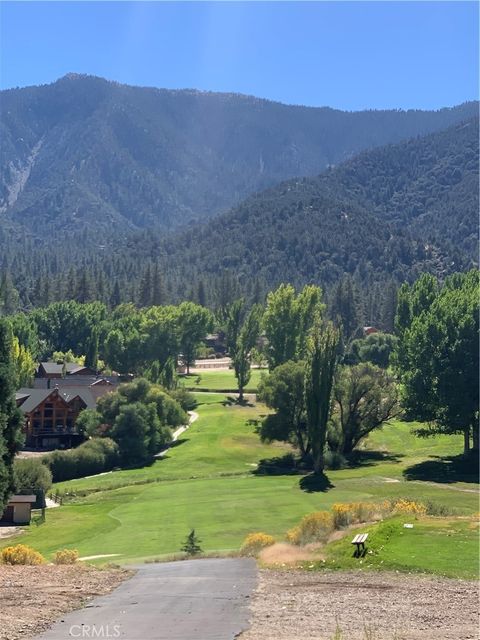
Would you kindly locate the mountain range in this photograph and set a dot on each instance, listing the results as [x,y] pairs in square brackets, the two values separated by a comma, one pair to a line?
[394,211]
[86,153]
[104,185]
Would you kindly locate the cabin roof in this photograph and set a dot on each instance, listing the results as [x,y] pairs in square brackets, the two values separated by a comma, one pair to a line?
[33,397]
[74,381]
[52,368]
[16,499]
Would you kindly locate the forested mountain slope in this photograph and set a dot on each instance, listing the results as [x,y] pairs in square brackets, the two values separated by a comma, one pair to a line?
[382,217]
[389,212]
[91,155]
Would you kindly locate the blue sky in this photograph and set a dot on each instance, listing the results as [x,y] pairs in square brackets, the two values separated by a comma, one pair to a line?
[348,55]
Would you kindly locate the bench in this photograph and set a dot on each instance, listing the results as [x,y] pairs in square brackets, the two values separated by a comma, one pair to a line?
[359,540]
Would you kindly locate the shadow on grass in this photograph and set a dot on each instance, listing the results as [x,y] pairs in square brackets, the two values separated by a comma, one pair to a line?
[370,458]
[162,455]
[445,469]
[280,466]
[314,483]
[232,400]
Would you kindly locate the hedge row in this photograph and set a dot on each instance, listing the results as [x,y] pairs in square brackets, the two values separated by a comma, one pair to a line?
[94,456]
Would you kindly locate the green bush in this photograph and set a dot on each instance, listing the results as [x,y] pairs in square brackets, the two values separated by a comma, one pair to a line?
[334,460]
[94,456]
[185,398]
[30,476]
[107,447]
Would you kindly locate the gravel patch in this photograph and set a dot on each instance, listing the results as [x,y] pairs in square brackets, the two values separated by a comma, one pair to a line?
[302,605]
[32,598]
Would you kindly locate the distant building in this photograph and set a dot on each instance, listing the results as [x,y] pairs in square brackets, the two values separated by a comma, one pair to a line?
[369,330]
[18,510]
[216,341]
[54,370]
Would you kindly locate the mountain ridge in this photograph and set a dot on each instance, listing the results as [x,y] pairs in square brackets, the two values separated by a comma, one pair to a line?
[85,152]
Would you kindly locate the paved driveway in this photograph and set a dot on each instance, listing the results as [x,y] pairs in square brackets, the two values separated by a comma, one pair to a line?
[190,600]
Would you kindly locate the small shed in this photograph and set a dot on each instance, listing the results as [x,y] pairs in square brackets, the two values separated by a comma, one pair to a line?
[18,510]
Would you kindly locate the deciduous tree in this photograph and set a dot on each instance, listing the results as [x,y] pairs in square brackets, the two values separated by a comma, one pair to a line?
[320,368]
[365,398]
[437,356]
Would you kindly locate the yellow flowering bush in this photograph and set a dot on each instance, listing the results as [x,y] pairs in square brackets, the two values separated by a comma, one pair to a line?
[255,542]
[21,554]
[66,556]
[342,515]
[409,507]
[293,535]
[315,527]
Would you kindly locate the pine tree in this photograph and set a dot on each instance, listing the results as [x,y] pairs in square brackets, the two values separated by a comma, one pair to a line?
[145,291]
[158,289]
[84,289]
[115,298]
[201,296]
[389,308]
[191,546]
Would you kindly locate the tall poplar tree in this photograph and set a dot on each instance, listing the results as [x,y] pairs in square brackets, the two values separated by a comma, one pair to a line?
[245,342]
[319,371]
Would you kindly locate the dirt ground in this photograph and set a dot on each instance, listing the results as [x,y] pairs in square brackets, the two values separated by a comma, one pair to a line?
[32,598]
[302,605]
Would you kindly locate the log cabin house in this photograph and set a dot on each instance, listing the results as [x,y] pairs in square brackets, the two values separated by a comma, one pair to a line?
[51,415]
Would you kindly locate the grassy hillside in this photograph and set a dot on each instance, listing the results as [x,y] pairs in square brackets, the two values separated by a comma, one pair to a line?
[206,482]
[434,545]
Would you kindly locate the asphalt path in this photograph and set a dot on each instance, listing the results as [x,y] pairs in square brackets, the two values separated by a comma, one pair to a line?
[204,599]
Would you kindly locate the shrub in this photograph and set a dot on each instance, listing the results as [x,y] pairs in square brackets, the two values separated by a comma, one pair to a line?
[315,527]
[108,448]
[441,510]
[66,556]
[94,456]
[342,515]
[184,398]
[335,460]
[255,542]
[403,505]
[31,476]
[293,535]
[21,554]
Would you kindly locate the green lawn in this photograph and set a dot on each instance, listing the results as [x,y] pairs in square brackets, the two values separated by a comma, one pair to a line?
[221,442]
[434,545]
[206,482]
[222,380]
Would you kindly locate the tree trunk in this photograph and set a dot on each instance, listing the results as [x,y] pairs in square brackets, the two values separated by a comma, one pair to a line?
[348,447]
[240,394]
[301,444]
[318,463]
[466,441]
[476,438]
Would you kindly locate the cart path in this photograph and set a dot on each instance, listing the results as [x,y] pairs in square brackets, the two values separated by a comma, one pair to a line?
[204,599]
